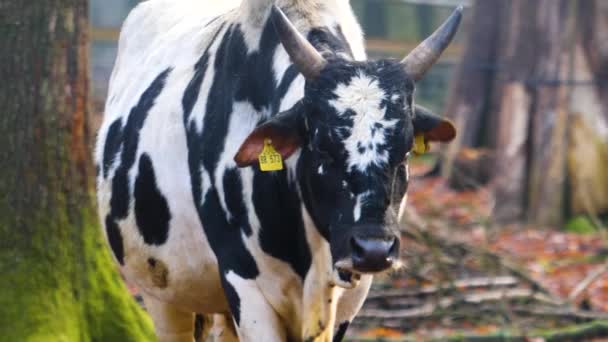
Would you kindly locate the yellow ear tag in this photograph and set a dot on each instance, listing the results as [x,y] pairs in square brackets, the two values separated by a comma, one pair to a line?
[270,159]
[420,145]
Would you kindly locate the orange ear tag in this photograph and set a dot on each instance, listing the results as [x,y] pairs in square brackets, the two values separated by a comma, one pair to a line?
[270,159]
[420,145]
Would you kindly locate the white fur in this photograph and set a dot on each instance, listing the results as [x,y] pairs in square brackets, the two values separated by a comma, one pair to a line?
[363,96]
[358,204]
[258,320]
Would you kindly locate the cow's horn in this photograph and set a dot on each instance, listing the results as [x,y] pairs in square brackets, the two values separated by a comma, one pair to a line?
[420,60]
[306,58]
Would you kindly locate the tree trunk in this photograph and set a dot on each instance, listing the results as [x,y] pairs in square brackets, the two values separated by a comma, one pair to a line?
[507,117]
[57,280]
[472,86]
[471,91]
[549,117]
[542,105]
[593,21]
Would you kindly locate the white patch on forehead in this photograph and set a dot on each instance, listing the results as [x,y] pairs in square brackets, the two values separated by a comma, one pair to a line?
[363,96]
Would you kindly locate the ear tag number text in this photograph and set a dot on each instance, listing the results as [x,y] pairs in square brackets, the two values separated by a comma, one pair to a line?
[270,159]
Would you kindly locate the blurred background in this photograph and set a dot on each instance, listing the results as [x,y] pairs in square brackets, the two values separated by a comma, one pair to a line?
[391,26]
[504,237]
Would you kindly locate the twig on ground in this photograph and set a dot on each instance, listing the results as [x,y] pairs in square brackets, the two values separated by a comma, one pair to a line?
[480,282]
[428,309]
[562,313]
[583,285]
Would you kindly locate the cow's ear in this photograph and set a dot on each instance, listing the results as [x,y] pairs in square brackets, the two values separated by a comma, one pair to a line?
[285,132]
[432,126]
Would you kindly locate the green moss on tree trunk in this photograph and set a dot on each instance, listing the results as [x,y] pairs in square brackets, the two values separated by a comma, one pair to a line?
[57,279]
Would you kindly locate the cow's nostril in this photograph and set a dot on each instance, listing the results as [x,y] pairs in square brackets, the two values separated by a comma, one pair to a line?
[357,248]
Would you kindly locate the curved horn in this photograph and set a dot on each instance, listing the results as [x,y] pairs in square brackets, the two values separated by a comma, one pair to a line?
[420,60]
[306,58]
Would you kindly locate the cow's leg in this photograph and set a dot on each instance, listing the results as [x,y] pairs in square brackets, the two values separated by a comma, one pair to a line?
[254,317]
[223,329]
[202,328]
[170,323]
[349,305]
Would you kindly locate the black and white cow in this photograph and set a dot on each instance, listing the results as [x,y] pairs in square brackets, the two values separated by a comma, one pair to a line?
[189,215]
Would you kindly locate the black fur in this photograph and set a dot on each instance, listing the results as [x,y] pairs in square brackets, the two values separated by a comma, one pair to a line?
[192,92]
[256,82]
[112,145]
[151,210]
[115,239]
[339,336]
[119,202]
[128,139]
[278,208]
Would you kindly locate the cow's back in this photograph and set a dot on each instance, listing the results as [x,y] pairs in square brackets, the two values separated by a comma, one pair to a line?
[142,155]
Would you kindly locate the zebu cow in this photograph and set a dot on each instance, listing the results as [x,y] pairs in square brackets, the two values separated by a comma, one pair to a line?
[191,218]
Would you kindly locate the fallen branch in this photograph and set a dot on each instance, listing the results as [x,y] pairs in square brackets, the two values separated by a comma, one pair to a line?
[443,303]
[583,285]
[473,283]
[562,313]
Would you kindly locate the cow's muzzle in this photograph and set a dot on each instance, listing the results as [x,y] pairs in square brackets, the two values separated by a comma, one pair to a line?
[370,248]
[375,254]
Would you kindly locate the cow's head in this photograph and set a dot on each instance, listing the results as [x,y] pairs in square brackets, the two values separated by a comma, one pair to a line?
[354,127]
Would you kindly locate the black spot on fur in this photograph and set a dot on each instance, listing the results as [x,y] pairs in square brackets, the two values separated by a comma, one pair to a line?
[192,92]
[233,300]
[151,210]
[282,232]
[257,83]
[290,75]
[235,203]
[128,139]
[159,273]
[119,202]
[339,336]
[112,145]
[115,239]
